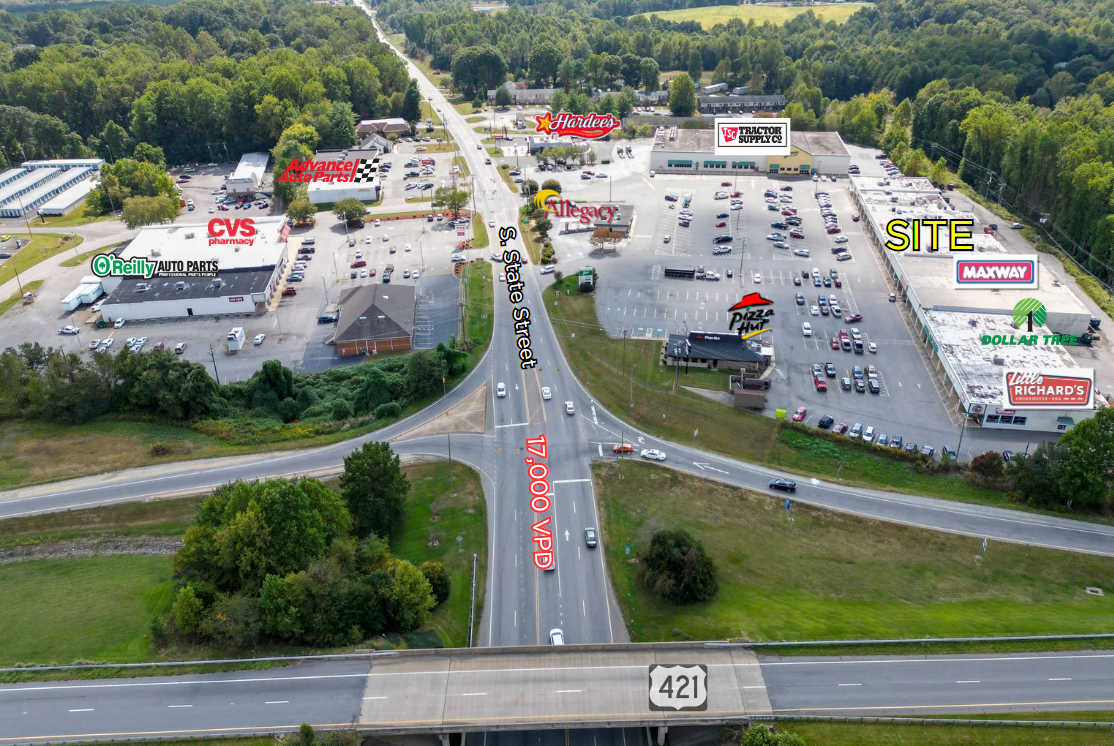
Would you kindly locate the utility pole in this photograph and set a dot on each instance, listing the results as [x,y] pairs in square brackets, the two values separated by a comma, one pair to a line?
[450,441]
[213,357]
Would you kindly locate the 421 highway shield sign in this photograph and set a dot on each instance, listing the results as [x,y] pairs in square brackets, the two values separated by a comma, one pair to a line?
[678,687]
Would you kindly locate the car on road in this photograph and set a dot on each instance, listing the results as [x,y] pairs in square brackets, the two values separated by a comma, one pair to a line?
[556,637]
[1007,456]
[841,239]
[722,239]
[781,245]
[721,224]
[895,442]
[860,386]
[800,414]
[881,441]
[721,215]
[806,329]
[835,343]
[845,382]
[259,339]
[797,281]
[547,394]
[1016,225]
[875,387]
[719,250]
[868,436]
[948,451]
[910,448]
[653,454]
[830,370]
[840,429]
[834,229]
[819,383]
[569,408]
[501,390]
[623,448]
[358,263]
[796,233]
[786,485]
[779,225]
[928,451]
[68,330]
[590,537]
[814,310]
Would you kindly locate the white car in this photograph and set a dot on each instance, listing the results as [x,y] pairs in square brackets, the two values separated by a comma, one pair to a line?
[368,241]
[546,393]
[801,252]
[757,278]
[815,310]
[211,209]
[653,454]
[179,348]
[415,274]
[841,239]
[569,408]
[868,436]
[378,222]
[259,339]
[130,341]
[359,255]
[806,329]
[386,238]
[141,341]
[737,206]
[501,390]
[651,174]
[556,637]
[548,269]
[407,248]
[106,343]
[119,323]
[68,330]
[363,273]
[491,224]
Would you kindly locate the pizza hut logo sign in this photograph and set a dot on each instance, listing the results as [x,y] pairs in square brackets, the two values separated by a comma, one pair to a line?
[1071,388]
[761,136]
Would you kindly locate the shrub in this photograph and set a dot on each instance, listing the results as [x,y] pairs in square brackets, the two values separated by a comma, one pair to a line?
[158,448]
[678,569]
[390,409]
[342,410]
[439,580]
[188,612]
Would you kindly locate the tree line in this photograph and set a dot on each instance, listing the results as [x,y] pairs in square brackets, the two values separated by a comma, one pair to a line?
[203,80]
[294,561]
[58,386]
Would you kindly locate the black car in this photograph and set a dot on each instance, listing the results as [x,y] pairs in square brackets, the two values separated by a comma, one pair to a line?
[800,299]
[326,318]
[722,215]
[830,369]
[825,421]
[787,485]
[722,239]
[845,382]
[860,387]
[796,280]
[778,224]
[787,189]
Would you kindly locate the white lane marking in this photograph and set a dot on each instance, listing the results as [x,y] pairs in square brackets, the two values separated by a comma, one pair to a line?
[569,481]
[374,697]
[757,686]
[88,710]
[583,607]
[968,682]
[474,694]
[850,684]
[516,424]
[1059,679]
[569,691]
[177,706]
[278,702]
[1001,659]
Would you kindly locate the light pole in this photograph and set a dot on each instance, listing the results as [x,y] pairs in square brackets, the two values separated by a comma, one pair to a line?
[213,357]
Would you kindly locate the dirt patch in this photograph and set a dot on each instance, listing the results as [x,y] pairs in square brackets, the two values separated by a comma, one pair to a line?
[94,547]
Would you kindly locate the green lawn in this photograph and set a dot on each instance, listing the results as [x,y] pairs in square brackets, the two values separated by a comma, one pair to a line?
[854,734]
[709,16]
[79,216]
[156,518]
[479,306]
[42,246]
[831,576]
[495,152]
[480,229]
[604,365]
[7,304]
[461,512]
[95,608]
[459,162]
[73,261]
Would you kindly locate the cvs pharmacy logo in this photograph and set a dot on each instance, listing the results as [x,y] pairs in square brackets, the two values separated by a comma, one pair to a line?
[1057,389]
[225,232]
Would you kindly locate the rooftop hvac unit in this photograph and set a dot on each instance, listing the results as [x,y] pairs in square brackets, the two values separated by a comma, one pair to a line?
[972,322]
[190,234]
[179,285]
[999,360]
[141,287]
[363,319]
[381,317]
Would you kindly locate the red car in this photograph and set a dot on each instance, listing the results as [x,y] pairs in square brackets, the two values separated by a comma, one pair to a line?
[789,212]
[725,183]
[853,318]
[838,282]
[821,385]
[735,194]
[371,272]
[844,334]
[358,263]
[799,414]
[835,343]
[840,429]
[290,291]
[796,234]
[721,224]
[834,229]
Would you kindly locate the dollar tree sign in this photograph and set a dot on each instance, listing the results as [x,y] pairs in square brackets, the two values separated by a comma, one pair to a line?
[1029,311]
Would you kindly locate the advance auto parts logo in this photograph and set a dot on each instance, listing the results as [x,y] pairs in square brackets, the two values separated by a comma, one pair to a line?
[550,201]
[751,315]
[355,172]
[1066,388]
[752,136]
[589,126]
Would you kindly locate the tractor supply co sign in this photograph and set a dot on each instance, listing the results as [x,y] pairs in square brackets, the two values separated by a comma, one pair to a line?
[1011,272]
[1055,388]
[741,137]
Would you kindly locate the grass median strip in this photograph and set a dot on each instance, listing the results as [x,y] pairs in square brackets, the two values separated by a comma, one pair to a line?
[857,734]
[829,576]
[37,247]
[8,303]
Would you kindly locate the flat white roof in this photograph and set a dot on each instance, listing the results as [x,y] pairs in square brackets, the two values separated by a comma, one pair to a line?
[76,193]
[251,166]
[931,277]
[55,183]
[324,188]
[958,337]
[190,242]
[65,163]
[38,176]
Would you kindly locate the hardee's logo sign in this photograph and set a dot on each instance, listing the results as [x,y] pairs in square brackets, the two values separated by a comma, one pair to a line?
[226,232]
[1049,389]
[751,315]
[550,201]
[590,126]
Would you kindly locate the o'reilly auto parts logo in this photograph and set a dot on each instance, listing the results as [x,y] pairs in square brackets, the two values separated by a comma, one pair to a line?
[995,272]
[742,137]
[1064,388]
[751,315]
[108,265]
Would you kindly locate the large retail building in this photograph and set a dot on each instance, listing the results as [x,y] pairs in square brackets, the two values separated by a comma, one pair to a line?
[681,151]
[246,278]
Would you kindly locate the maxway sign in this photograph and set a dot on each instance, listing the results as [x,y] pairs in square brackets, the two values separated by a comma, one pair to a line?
[996,272]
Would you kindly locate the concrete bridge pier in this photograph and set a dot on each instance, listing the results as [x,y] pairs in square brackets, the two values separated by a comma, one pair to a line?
[663,730]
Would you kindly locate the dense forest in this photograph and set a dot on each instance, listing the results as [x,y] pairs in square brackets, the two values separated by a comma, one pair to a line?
[204,79]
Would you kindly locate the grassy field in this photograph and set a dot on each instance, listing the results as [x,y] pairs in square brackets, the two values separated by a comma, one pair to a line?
[460,162]
[158,518]
[605,367]
[830,576]
[495,152]
[479,227]
[473,119]
[79,216]
[479,317]
[95,608]
[73,261]
[854,734]
[42,246]
[8,303]
[461,512]
[709,16]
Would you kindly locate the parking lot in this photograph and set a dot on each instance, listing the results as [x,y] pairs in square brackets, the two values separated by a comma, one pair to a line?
[203,187]
[635,297]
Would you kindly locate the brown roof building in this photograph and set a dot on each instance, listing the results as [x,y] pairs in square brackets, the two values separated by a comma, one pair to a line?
[375,318]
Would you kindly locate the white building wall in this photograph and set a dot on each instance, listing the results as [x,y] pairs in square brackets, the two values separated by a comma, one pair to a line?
[173,308]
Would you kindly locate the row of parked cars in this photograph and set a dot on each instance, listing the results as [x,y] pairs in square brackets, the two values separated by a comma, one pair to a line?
[880,440]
